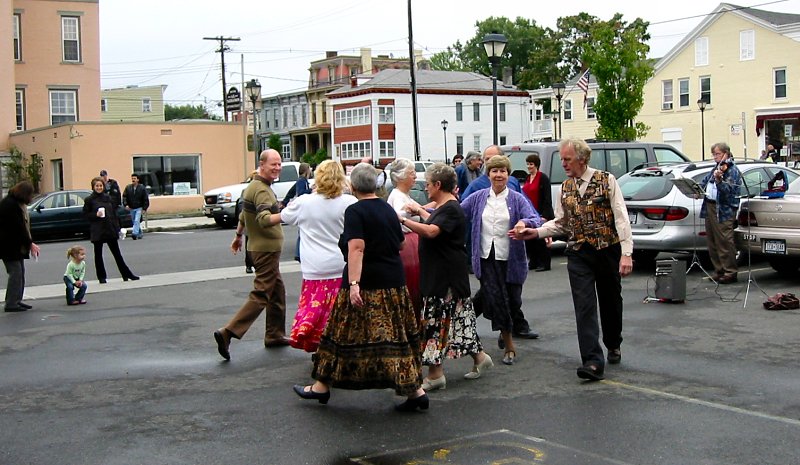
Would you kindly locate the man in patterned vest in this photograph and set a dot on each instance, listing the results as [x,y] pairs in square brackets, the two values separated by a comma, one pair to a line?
[592,213]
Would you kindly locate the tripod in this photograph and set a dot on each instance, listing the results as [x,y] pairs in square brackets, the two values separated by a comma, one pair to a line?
[690,188]
[750,278]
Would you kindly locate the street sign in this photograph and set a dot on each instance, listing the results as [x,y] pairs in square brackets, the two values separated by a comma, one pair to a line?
[736,129]
[233,100]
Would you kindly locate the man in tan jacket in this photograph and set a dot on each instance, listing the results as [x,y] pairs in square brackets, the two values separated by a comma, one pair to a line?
[264,244]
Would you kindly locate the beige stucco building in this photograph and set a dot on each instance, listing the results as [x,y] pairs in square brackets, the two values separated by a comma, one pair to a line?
[744,63]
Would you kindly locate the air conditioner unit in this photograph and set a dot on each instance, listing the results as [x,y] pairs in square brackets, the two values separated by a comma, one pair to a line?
[666,106]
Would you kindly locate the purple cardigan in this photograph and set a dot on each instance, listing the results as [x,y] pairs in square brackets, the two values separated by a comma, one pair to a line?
[519,208]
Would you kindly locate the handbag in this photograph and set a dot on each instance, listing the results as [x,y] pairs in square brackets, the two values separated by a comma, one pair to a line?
[782,301]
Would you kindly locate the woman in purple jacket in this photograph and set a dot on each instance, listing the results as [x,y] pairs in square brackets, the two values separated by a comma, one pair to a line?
[499,263]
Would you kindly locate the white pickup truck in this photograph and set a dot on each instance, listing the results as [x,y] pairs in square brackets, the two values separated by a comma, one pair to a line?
[220,203]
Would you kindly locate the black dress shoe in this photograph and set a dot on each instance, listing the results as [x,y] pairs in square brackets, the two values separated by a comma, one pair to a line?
[422,402]
[543,268]
[322,397]
[16,309]
[501,344]
[223,343]
[131,277]
[248,269]
[281,342]
[25,306]
[590,372]
[529,334]
[614,356]
[728,279]
[101,281]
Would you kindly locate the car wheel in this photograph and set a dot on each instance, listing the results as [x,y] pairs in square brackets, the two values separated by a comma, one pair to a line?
[784,265]
[222,222]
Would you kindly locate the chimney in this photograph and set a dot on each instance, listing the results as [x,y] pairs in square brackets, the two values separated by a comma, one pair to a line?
[424,65]
[330,54]
[508,77]
[353,80]
[366,61]
[417,57]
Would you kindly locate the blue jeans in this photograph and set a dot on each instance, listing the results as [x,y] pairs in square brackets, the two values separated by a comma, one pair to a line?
[71,297]
[136,217]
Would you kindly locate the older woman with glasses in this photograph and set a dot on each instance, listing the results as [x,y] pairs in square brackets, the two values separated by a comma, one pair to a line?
[448,316]
[372,338]
[499,263]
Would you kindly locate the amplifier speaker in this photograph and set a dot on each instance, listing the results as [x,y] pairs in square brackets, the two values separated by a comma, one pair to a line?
[671,280]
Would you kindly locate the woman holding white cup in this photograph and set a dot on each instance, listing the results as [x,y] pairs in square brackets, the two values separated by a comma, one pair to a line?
[101,211]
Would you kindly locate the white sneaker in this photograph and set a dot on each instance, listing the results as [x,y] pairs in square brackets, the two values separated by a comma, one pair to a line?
[434,384]
[477,370]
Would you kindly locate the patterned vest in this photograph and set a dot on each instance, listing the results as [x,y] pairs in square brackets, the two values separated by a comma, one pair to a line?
[591,219]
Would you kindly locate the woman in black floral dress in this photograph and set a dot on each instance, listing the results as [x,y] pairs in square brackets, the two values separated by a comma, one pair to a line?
[448,316]
[372,338]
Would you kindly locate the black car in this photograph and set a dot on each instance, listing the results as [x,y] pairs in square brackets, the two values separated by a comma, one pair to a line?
[60,214]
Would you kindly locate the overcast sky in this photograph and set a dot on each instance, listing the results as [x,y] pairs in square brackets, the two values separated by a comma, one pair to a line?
[152,42]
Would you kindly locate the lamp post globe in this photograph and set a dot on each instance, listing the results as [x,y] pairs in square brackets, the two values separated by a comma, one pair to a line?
[253,90]
[494,44]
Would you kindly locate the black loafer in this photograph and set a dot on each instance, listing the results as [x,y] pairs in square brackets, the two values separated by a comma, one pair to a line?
[25,306]
[614,356]
[501,344]
[16,309]
[529,334]
[590,373]
[223,344]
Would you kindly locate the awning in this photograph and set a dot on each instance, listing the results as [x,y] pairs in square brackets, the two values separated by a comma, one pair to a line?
[760,119]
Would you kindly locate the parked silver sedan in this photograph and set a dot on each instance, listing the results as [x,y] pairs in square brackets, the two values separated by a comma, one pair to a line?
[663,219]
[770,228]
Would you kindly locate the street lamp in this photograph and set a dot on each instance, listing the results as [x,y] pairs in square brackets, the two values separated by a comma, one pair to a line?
[701,104]
[554,119]
[558,90]
[444,129]
[253,89]
[494,44]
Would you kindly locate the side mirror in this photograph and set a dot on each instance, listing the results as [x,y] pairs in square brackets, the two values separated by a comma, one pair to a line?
[39,208]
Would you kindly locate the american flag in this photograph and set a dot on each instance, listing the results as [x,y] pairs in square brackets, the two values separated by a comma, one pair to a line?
[583,84]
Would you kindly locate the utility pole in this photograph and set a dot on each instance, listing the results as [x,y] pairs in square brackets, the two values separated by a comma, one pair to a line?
[222,49]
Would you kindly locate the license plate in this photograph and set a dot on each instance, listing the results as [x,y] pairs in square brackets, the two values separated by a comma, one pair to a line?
[633,216]
[775,246]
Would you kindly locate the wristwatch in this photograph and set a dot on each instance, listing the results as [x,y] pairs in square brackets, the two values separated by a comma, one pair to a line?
[627,254]
[238,234]
[353,283]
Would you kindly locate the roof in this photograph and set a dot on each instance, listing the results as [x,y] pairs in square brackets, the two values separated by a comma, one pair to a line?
[427,80]
[772,17]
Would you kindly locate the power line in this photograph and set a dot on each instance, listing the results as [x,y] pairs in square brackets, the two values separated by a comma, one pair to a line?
[222,49]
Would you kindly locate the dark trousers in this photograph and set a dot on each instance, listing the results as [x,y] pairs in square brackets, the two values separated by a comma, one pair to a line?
[248,260]
[268,294]
[538,253]
[100,266]
[496,292]
[595,280]
[16,282]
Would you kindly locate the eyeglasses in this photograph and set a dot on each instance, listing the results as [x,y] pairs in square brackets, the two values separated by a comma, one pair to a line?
[716,153]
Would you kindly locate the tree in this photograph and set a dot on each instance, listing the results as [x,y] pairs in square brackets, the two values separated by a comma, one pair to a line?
[448,60]
[274,142]
[18,168]
[187,112]
[315,159]
[617,57]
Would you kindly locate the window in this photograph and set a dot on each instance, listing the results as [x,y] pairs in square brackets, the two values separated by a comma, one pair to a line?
[459,111]
[476,143]
[147,105]
[20,94]
[286,151]
[701,51]
[359,116]
[666,95]
[747,45]
[502,140]
[683,93]
[17,39]
[304,115]
[780,83]
[294,115]
[313,113]
[567,109]
[705,89]
[169,174]
[285,116]
[70,38]
[324,112]
[501,111]
[386,148]
[104,105]
[276,117]
[63,106]
[476,111]
[355,150]
[460,144]
[385,114]
[590,114]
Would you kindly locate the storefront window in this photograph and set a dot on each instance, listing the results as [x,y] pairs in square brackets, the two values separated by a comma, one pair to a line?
[169,174]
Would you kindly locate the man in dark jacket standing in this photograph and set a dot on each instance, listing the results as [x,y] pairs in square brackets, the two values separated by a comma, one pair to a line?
[112,188]
[136,201]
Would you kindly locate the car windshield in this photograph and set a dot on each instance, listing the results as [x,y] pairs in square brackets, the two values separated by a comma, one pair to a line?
[646,184]
[794,187]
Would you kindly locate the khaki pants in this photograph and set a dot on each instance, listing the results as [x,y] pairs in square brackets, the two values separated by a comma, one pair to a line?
[268,294]
[721,247]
